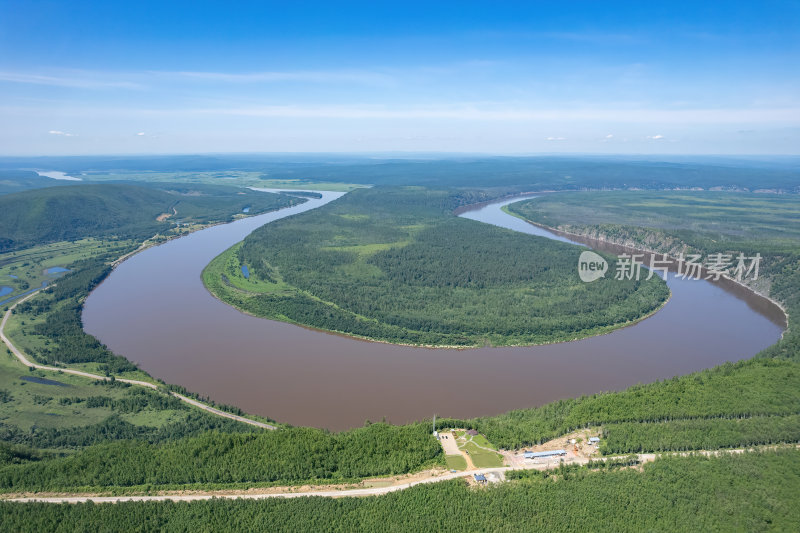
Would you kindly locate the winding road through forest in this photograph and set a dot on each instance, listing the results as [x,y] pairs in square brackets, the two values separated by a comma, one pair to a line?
[421,478]
[30,364]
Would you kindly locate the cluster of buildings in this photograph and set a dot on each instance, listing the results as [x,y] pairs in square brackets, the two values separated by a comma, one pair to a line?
[548,454]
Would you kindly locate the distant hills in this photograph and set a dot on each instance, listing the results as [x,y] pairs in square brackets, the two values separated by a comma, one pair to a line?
[62,213]
[448,170]
[20,180]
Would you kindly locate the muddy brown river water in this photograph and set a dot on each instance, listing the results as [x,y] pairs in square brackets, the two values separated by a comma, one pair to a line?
[154,310]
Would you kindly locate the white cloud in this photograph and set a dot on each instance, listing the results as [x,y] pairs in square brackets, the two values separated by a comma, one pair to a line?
[311,76]
[92,79]
[140,134]
[555,139]
[610,136]
[72,78]
[60,133]
[655,137]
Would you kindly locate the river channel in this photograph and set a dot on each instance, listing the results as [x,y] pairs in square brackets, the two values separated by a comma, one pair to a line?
[154,310]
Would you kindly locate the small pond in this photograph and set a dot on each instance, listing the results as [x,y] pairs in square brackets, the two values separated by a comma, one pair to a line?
[43,381]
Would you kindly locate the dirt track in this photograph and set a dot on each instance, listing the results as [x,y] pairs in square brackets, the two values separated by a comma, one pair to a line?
[25,361]
[419,479]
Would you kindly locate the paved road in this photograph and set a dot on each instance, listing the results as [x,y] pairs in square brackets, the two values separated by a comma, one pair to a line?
[25,361]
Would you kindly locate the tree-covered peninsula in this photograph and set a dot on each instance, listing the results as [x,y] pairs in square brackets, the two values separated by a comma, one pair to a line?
[396,265]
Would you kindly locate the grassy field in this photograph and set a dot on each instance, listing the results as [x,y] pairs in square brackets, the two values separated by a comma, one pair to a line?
[59,411]
[480,450]
[455,462]
[30,405]
[226,269]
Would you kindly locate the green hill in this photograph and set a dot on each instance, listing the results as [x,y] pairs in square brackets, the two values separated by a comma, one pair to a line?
[12,181]
[55,214]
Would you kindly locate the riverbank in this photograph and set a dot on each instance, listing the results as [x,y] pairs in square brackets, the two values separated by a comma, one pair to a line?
[595,240]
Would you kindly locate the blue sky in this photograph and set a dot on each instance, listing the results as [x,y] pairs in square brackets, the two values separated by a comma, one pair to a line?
[513,77]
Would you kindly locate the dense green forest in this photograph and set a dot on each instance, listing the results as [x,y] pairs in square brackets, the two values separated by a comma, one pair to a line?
[700,434]
[152,440]
[755,387]
[750,492]
[395,265]
[290,455]
[53,214]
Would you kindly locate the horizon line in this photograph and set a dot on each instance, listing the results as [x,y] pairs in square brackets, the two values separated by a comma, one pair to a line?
[374,153]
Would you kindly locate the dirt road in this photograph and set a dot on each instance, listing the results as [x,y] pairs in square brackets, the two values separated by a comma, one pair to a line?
[435,477]
[450,447]
[25,361]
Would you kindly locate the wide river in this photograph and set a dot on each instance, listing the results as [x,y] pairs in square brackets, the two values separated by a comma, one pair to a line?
[154,310]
